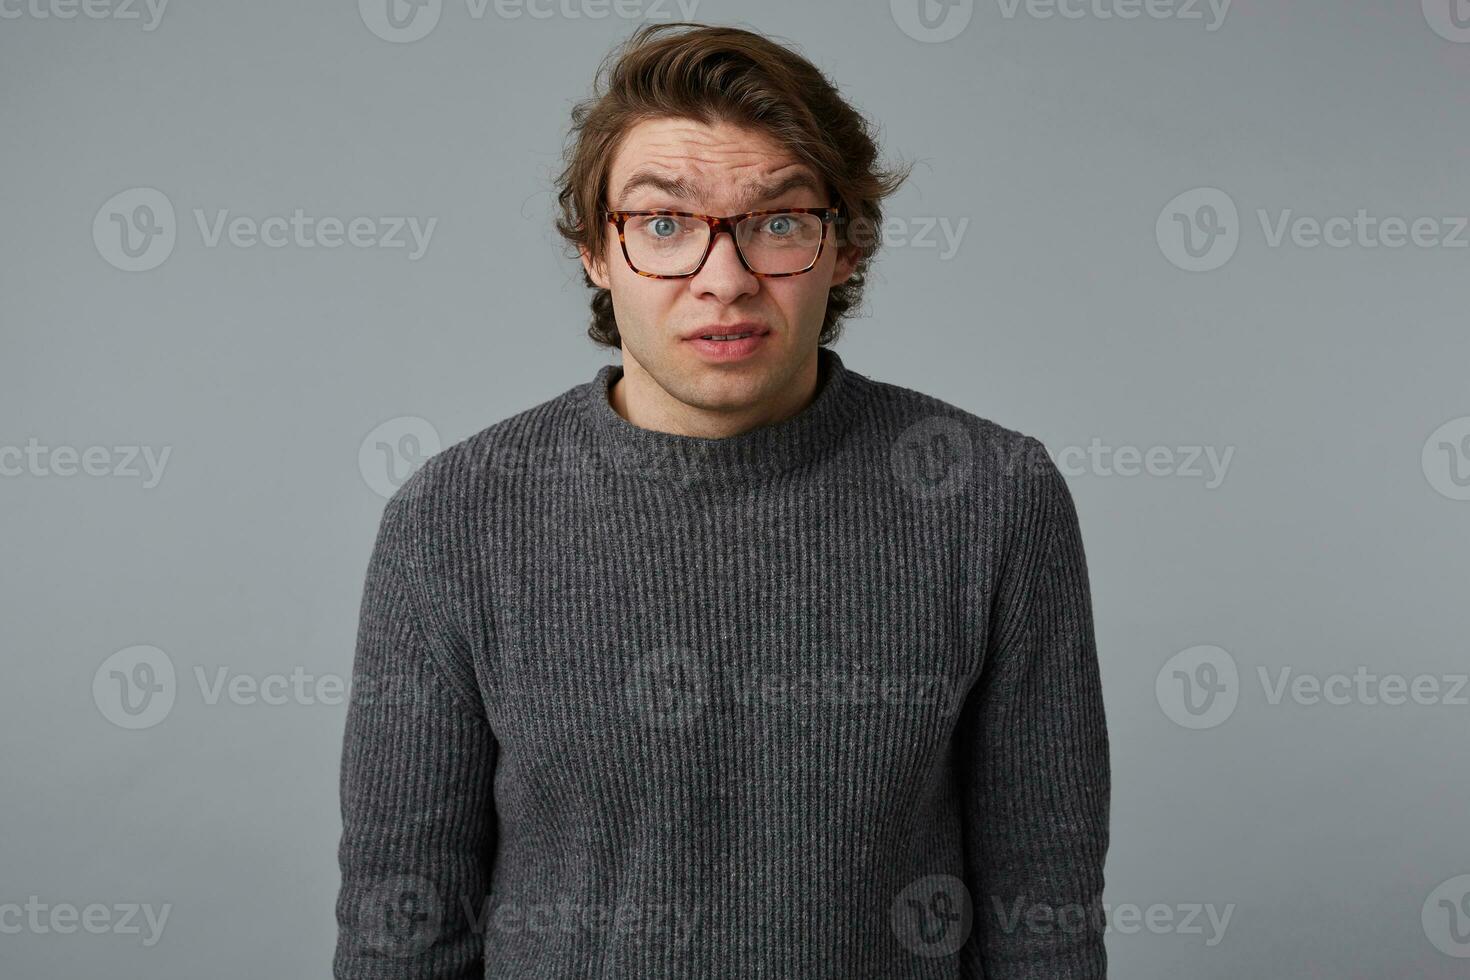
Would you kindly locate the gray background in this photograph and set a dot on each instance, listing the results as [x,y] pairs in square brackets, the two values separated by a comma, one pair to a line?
[1336,539]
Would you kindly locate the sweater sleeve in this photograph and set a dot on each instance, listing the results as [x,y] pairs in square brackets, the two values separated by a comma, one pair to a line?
[1035,776]
[418,758]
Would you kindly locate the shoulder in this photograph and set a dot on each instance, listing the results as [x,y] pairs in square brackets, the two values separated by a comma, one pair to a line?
[477,471]
[954,451]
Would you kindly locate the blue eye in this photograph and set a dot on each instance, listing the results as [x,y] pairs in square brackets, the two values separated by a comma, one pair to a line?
[778,220]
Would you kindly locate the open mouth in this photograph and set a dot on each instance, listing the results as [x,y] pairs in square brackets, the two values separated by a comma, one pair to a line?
[733,343]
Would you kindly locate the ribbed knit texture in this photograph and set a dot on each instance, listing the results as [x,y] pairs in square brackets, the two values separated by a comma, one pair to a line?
[820,700]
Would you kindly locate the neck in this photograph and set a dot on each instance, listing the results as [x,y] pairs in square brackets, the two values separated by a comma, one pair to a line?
[642,401]
[811,428]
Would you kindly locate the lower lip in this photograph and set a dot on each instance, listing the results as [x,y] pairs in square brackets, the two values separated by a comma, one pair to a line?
[727,350]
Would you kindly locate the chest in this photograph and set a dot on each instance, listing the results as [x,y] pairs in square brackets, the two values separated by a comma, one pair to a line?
[823,640]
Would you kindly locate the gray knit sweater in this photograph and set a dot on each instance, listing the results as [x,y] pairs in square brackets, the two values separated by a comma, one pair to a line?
[819,700]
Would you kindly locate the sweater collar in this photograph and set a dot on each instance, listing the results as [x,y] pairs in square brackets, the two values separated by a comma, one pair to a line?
[750,456]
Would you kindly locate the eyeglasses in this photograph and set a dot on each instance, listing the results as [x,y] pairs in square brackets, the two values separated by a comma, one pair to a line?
[772,243]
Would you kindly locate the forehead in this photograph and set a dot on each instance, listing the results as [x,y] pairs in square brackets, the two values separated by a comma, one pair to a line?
[707,161]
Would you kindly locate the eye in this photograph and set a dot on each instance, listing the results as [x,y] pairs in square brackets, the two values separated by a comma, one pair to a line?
[780,225]
[661,227]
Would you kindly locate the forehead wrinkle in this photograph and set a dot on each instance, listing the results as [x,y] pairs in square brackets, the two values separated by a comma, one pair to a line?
[756,192]
[751,193]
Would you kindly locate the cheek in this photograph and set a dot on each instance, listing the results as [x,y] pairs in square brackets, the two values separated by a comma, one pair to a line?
[802,299]
[638,299]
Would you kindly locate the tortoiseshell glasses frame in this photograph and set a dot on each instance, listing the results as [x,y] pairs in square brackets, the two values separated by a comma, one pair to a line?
[718,224]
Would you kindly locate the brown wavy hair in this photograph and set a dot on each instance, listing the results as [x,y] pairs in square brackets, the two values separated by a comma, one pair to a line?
[722,74]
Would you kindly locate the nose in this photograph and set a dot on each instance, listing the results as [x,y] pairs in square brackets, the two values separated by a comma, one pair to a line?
[723,275]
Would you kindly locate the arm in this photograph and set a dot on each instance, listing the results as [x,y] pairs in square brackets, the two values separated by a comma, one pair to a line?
[418,758]
[1034,750]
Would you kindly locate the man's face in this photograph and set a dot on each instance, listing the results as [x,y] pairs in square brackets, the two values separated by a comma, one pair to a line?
[727,169]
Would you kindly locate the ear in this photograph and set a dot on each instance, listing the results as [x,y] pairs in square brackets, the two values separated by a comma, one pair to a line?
[596,271]
[847,260]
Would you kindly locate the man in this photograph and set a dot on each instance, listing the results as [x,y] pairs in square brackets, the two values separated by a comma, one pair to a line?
[733,661]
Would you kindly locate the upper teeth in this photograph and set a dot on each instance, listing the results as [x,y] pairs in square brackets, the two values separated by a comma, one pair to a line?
[726,336]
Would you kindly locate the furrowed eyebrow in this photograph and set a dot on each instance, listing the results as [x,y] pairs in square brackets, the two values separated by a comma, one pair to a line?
[755,194]
[750,196]
[672,186]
